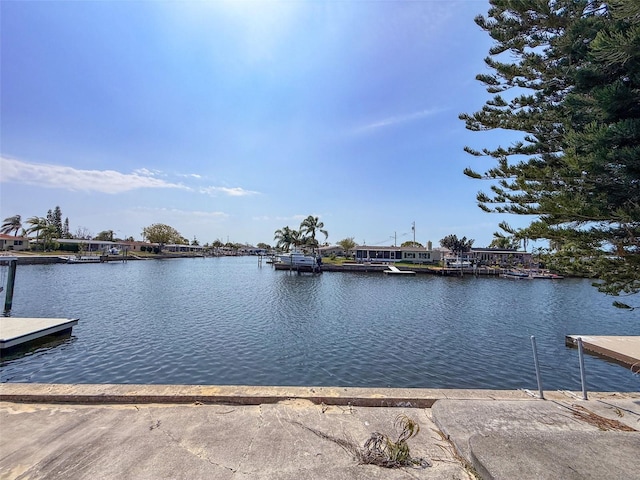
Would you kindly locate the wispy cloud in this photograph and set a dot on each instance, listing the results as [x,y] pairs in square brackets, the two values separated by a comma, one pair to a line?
[103,181]
[145,172]
[396,120]
[180,214]
[277,218]
[232,192]
[295,218]
[69,178]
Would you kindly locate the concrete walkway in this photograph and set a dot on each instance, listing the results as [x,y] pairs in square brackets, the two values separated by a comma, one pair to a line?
[553,439]
[272,433]
[293,439]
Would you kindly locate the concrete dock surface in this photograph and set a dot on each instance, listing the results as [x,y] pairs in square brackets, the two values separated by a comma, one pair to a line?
[622,349]
[16,331]
[545,439]
[272,433]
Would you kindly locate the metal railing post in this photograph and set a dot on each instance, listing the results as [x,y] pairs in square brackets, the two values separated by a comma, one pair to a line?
[11,280]
[582,375]
[537,364]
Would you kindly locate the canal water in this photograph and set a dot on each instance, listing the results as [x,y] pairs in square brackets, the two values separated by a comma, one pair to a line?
[228,321]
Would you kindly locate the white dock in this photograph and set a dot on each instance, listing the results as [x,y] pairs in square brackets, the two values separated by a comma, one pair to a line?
[393,270]
[19,331]
[623,349]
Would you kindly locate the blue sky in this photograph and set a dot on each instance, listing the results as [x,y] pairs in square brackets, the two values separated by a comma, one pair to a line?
[228,120]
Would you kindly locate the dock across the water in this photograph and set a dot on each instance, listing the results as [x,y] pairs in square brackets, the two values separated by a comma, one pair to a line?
[622,349]
[23,332]
[392,270]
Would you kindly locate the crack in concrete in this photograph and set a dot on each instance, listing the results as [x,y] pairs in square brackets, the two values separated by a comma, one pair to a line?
[157,425]
[238,469]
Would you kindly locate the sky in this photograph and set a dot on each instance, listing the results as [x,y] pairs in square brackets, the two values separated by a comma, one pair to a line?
[228,120]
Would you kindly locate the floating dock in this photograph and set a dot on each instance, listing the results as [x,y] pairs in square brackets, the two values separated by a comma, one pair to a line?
[622,349]
[22,332]
[396,271]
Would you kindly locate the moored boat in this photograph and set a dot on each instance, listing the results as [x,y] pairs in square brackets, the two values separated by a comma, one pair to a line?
[547,275]
[530,275]
[297,259]
[516,275]
[83,259]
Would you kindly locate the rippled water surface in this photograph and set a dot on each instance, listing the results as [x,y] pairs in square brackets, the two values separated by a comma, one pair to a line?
[227,321]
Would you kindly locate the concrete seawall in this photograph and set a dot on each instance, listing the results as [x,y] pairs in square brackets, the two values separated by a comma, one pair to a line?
[256,395]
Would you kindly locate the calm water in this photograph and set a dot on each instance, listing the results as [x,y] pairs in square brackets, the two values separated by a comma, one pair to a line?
[227,321]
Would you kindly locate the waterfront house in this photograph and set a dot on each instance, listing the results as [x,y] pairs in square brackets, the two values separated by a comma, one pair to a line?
[104,246]
[86,245]
[251,250]
[181,247]
[10,242]
[500,256]
[366,253]
[329,250]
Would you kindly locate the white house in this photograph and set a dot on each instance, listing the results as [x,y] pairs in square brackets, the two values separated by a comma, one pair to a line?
[9,242]
[366,253]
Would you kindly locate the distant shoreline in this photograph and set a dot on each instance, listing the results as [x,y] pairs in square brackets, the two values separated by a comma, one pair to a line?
[62,258]
[48,259]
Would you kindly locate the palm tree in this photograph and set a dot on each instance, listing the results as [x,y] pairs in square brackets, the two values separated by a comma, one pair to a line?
[298,239]
[283,238]
[310,226]
[501,241]
[12,224]
[38,224]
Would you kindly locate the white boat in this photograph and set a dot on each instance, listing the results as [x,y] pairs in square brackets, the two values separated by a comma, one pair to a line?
[459,264]
[83,259]
[297,259]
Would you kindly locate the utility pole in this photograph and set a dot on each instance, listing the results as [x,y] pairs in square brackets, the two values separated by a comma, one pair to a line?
[413,227]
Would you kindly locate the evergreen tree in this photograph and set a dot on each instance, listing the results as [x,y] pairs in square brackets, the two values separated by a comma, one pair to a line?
[457,245]
[57,222]
[65,229]
[573,77]
[54,220]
